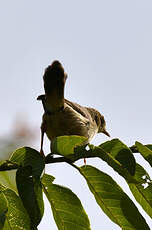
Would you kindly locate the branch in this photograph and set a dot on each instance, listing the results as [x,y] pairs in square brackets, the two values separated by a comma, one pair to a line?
[77,156]
[100,153]
[134,148]
[8,165]
[72,158]
[49,159]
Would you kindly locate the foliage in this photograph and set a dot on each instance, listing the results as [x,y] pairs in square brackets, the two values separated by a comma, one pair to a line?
[24,209]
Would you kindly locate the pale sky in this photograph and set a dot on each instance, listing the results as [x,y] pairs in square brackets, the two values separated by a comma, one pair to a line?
[106,49]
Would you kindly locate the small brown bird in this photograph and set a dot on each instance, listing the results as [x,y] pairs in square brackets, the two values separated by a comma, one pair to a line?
[62,117]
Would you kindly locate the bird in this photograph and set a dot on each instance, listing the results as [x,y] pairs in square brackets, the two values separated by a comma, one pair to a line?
[63,117]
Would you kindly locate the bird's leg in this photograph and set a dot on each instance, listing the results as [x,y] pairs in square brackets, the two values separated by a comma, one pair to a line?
[42,138]
[85,161]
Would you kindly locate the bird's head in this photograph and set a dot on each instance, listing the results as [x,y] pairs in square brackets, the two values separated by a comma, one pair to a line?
[102,126]
[101,123]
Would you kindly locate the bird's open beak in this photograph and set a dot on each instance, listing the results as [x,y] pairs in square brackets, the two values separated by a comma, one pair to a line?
[106,133]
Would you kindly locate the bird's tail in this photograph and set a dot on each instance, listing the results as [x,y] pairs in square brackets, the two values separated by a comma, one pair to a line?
[54,81]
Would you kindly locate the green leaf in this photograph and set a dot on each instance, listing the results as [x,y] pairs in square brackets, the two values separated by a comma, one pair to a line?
[121,153]
[135,150]
[149,147]
[47,179]
[145,152]
[27,156]
[66,206]
[7,179]
[3,210]
[65,145]
[30,191]
[112,200]
[142,195]
[30,167]
[12,212]
[115,164]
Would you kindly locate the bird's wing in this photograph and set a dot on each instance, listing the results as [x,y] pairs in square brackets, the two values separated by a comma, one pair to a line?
[42,98]
[78,108]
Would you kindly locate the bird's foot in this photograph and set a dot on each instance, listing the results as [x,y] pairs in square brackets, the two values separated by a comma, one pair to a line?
[41,152]
[85,161]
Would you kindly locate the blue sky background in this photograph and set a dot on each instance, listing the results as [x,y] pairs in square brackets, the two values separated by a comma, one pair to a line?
[106,49]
